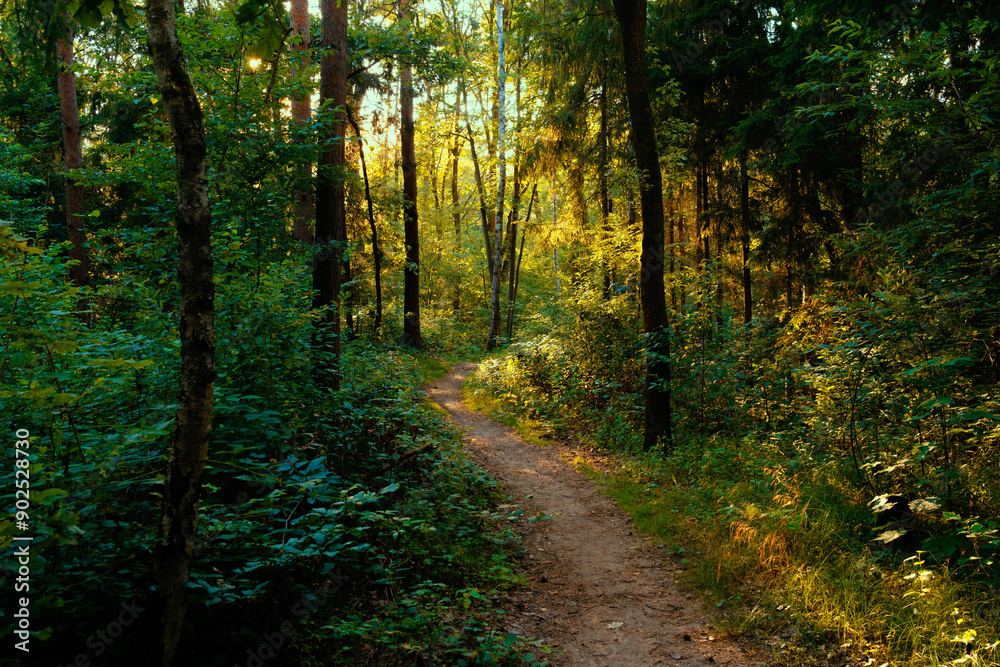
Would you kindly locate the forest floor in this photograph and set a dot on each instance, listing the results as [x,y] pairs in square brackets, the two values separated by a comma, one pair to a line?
[599,593]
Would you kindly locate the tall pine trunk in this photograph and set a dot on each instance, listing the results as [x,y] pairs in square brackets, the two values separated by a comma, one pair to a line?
[657,425]
[189,450]
[494,331]
[330,226]
[69,112]
[304,207]
[411,230]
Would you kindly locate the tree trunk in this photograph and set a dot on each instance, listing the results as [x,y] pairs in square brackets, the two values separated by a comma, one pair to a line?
[632,18]
[376,251]
[602,167]
[745,240]
[330,225]
[577,183]
[72,159]
[411,232]
[456,151]
[671,217]
[516,269]
[480,188]
[704,235]
[304,207]
[494,331]
[555,227]
[189,450]
[514,212]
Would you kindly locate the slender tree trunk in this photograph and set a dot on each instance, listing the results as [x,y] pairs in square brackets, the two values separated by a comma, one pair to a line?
[632,18]
[330,224]
[376,251]
[514,212]
[189,451]
[705,229]
[745,240]
[72,159]
[671,217]
[494,331]
[456,151]
[555,226]
[602,167]
[302,196]
[577,183]
[480,188]
[512,245]
[411,231]
[796,221]
[516,270]
[682,241]
[348,333]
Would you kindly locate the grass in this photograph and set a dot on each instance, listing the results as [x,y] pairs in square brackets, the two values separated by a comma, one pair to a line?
[533,431]
[430,368]
[781,549]
[783,564]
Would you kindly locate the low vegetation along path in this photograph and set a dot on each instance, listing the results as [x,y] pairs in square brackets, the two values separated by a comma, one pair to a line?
[599,594]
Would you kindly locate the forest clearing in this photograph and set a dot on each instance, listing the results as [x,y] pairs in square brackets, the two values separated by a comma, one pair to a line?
[598,332]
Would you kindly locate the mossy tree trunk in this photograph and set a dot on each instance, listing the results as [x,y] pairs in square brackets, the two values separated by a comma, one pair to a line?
[189,450]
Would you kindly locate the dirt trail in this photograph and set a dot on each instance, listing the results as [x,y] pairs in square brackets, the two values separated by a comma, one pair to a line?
[598,593]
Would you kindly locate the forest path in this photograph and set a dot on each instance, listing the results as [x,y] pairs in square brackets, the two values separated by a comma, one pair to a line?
[599,594]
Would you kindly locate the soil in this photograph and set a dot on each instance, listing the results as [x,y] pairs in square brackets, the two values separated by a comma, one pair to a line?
[598,592]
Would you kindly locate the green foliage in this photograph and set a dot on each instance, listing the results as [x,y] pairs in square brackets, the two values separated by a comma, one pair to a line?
[572,376]
[785,432]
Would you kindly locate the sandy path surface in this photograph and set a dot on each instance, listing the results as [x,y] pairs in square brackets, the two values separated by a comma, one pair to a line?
[598,593]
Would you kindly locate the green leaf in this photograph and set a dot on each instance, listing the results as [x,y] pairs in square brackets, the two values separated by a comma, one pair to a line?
[890,535]
[976,415]
[936,402]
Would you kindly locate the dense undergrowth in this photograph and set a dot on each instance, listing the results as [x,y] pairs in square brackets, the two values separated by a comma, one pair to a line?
[832,487]
[336,528]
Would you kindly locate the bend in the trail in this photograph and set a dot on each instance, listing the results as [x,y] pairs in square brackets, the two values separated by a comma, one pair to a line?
[599,594]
